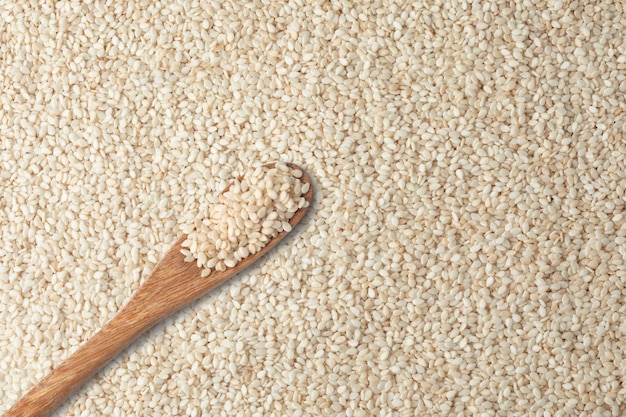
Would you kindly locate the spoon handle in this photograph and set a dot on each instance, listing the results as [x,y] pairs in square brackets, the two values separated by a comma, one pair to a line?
[156,299]
[91,357]
[172,285]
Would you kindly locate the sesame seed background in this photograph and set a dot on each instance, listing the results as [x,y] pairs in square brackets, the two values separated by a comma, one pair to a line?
[465,252]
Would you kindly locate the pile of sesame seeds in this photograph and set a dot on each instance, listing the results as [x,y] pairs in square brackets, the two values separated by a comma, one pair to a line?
[466,254]
[253,210]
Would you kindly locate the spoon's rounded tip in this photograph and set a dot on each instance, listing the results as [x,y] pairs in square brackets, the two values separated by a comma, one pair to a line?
[306,194]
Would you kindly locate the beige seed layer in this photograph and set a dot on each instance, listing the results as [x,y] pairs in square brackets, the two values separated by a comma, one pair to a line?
[467,252]
[252,211]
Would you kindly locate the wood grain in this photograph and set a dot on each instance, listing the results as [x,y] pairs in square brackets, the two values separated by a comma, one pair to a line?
[172,285]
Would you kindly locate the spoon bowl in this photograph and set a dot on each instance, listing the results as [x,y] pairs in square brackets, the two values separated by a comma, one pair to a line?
[173,284]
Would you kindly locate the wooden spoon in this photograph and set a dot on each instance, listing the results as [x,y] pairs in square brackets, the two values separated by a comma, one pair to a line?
[172,285]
